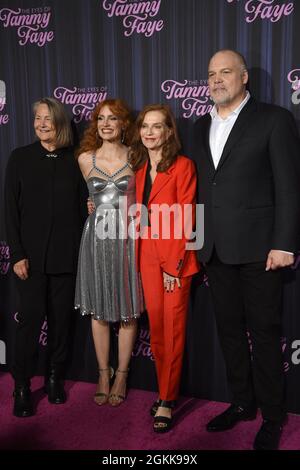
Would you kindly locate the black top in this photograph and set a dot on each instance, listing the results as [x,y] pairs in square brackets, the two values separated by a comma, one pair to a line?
[148,186]
[146,195]
[45,208]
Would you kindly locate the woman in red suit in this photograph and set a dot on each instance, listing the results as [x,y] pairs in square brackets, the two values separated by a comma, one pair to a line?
[163,177]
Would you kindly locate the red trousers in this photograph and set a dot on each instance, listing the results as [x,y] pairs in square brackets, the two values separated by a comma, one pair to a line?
[167,313]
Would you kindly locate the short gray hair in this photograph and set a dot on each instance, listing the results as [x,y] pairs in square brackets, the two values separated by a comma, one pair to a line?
[60,119]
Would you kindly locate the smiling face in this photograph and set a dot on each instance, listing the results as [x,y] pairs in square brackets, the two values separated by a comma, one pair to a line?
[154,132]
[109,125]
[43,125]
[227,78]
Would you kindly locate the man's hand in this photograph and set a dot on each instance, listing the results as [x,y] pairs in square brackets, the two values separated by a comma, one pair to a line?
[21,269]
[278,259]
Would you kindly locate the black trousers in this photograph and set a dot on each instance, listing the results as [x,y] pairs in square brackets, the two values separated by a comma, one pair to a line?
[247,301]
[41,295]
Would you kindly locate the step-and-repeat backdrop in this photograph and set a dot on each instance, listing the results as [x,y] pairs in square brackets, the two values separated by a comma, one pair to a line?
[83,51]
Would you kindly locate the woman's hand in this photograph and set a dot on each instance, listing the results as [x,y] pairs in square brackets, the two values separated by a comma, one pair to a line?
[90,206]
[21,269]
[170,281]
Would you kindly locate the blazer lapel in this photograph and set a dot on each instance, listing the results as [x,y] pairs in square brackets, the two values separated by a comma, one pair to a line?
[239,127]
[160,181]
[206,129]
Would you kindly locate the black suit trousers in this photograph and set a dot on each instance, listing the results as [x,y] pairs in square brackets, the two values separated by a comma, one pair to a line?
[247,301]
[50,295]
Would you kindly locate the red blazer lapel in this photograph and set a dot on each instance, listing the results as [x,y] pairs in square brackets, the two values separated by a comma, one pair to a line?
[160,181]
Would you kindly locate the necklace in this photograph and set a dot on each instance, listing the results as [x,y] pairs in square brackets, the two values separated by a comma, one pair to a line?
[108,176]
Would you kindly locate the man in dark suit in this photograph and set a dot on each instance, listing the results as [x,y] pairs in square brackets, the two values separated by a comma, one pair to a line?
[248,159]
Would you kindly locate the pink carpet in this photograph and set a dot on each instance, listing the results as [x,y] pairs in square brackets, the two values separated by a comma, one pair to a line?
[82,425]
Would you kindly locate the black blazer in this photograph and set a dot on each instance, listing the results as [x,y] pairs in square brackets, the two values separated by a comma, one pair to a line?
[252,199]
[45,208]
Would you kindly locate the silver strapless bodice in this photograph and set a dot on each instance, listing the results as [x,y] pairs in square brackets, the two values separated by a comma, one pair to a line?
[108,192]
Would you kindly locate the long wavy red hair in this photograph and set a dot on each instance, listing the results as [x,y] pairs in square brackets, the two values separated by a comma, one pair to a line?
[170,149]
[91,140]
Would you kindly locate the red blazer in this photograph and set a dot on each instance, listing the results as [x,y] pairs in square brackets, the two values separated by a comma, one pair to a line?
[176,185]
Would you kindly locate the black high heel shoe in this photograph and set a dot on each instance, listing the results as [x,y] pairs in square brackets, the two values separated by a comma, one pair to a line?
[164,423]
[154,407]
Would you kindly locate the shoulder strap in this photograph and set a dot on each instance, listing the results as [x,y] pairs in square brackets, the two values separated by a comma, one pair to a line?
[94,164]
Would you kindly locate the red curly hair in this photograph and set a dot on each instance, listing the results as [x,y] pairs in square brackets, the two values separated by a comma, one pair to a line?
[91,140]
[170,149]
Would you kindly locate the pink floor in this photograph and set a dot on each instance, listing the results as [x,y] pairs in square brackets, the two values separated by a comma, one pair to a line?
[82,425]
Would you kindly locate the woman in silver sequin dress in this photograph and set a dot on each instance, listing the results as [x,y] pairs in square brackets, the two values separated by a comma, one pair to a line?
[107,285]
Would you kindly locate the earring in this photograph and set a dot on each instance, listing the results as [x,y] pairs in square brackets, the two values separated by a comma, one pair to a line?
[123,136]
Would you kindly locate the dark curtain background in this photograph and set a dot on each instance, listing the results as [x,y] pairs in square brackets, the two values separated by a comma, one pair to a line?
[82,51]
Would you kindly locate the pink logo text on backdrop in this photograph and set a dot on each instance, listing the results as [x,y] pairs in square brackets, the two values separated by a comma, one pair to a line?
[266,10]
[294,78]
[194,96]
[43,334]
[4,258]
[44,329]
[138,16]
[30,23]
[142,346]
[82,100]
[4,118]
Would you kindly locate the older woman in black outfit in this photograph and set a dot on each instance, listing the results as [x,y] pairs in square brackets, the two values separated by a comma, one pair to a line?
[44,235]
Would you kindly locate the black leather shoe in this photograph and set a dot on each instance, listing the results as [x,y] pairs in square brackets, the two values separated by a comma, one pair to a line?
[230,417]
[268,436]
[22,402]
[55,390]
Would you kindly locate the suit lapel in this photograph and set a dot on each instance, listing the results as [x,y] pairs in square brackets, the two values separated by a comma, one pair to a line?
[239,127]
[160,181]
[206,140]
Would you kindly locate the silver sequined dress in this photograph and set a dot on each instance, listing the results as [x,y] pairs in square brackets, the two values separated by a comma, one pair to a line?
[107,284]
